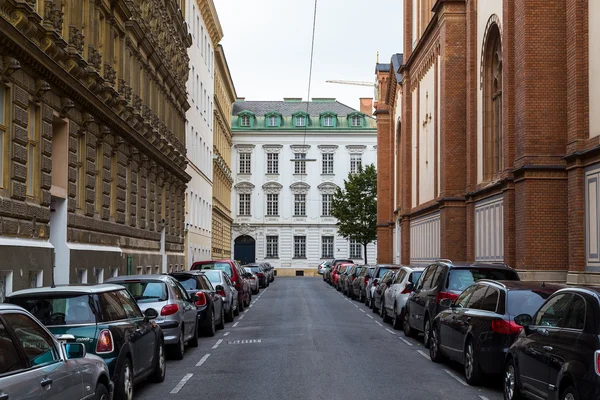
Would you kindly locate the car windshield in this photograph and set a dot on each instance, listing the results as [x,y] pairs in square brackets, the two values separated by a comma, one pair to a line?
[59,310]
[220,266]
[147,291]
[526,301]
[213,276]
[382,272]
[460,279]
[188,282]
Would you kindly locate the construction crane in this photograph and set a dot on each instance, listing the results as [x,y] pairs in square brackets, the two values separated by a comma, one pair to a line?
[357,83]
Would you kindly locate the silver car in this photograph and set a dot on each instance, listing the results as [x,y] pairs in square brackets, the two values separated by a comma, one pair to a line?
[396,295]
[177,310]
[33,365]
[253,279]
[226,289]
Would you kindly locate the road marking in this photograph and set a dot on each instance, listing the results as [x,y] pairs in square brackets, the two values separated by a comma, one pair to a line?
[247,341]
[240,318]
[218,343]
[370,316]
[483,397]
[234,325]
[203,359]
[390,331]
[378,323]
[226,333]
[246,311]
[405,341]
[452,374]
[361,310]
[250,306]
[183,381]
[421,352]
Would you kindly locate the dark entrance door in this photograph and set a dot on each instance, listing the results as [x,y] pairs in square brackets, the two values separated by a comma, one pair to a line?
[244,249]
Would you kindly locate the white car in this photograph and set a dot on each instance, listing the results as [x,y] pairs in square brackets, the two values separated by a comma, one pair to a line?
[396,295]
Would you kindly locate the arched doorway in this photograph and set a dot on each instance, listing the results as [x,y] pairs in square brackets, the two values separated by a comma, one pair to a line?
[244,249]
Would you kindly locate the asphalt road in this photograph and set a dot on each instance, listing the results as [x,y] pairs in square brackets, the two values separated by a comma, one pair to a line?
[301,339]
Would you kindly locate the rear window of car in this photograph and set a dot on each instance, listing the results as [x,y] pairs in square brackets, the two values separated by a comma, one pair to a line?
[460,279]
[382,271]
[59,310]
[526,301]
[188,282]
[226,267]
[147,291]
[214,276]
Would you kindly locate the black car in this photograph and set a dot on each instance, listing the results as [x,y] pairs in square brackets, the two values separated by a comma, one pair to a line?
[557,355]
[380,287]
[352,274]
[479,326]
[446,280]
[208,302]
[261,271]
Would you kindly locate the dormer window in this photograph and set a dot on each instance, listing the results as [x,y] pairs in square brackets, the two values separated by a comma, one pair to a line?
[273,120]
[356,119]
[328,119]
[301,121]
[245,120]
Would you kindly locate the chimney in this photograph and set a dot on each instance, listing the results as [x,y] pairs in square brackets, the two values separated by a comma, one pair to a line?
[366,106]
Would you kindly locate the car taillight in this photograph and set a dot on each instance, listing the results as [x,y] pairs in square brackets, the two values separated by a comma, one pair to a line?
[169,309]
[504,327]
[405,290]
[597,362]
[366,280]
[105,342]
[260,274]
[201,299]
[445,295]
[221,293]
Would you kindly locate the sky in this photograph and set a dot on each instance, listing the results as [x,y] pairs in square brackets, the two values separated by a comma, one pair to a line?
[267,44]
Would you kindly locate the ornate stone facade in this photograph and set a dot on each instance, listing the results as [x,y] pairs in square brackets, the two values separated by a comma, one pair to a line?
[93,95]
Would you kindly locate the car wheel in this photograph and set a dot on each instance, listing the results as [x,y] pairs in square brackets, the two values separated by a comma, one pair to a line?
[194,340]
[396,320]
[236,311]
[211,329]
[230,314]
[124,388]
[241,306]
[101,392]
[360,298]
[222,319]
[373,306]
[178,349]
[569,394]
[434,346]
[472,370]
[511,388]
[161,364]
[408,331]
[427,333]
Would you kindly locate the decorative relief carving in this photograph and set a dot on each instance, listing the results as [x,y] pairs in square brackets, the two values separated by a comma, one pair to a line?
[94,57]
[272,148]
[53,16]
[356,148]
[272,188]
[300,188]
[109,73]
[328,148]
[244,187]
[327,188]
[76,38]
[244,148]
[299,148]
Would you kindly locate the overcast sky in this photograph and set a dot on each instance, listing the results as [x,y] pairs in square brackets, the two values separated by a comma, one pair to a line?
[267,44]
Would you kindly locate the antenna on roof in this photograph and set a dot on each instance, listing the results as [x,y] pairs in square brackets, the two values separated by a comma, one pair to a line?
[53,268]
[543,284]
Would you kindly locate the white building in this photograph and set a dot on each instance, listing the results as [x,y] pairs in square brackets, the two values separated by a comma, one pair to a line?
[204,26]
[282,207]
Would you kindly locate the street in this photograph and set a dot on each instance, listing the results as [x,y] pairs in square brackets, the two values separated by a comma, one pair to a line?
[301,339]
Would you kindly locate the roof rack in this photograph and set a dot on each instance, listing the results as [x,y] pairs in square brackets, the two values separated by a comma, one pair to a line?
[491,281]
[445,260]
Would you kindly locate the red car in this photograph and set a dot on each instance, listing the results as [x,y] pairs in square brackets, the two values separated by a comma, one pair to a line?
[238,276]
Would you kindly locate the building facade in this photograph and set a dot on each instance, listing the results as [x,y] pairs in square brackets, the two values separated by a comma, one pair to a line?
[225,95]
[92,122]
[206,32]
[496,151]
[289,157]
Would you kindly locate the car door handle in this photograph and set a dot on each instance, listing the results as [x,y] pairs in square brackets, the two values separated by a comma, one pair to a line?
[3,396]
[46,382]
[548,348]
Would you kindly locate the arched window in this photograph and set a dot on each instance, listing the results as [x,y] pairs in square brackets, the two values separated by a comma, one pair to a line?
[492,95]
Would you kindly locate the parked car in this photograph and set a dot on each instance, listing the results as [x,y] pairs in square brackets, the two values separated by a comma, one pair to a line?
[270,271]
[445,280]
[323,267]
[178,317]
[335,274]
[479,326]
[262,273]
[378,273]
[557,354]
[342,276]
[235,272]
[209,304]
[396,296]
[361,283]
[349,282]
[254,285]
[109,322]
[225,288]
[380,288]
[335,265]
[35,366]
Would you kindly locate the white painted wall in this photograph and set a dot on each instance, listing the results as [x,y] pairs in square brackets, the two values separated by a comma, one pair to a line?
[594,66]
[426,136]
[485,9]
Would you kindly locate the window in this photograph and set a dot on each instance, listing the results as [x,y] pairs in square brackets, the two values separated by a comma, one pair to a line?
[356,120]
[327,201]
[32,134]
[554,312]
[355,163]
[245,120]
[400,276]
[272,246]
[301,121]
[327,163]
[272,121]
[112,310]
[464,297]
[355,249]
[37,345]
[10,360]
[245,163]
[476,299]
[272,204]
[326,246]
[492,112]
[490,301]
[244,204]
[129,304]
[576,317]
[328,120]
[300,166]
[300,205]
[99,176]
[427,277]
[3,113]
[299,246]
[272,163]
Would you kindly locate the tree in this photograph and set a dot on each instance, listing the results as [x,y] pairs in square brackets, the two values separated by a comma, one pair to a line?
[355,207]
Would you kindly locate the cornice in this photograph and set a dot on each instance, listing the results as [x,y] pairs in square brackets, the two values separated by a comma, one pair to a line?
[211,18]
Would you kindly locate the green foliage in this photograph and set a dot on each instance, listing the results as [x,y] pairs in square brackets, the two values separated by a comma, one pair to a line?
[355,207]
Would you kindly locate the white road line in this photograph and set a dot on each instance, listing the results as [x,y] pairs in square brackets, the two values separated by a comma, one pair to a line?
[226,333]
[245,311]
[370,316]
[390,331]
[203,359]
[405,341]
[361,310]
[218,343]
[250,306]
[483,397]
[378,323]
[234,325]
[421,352]
[177,388]
[452,374]
[240,318]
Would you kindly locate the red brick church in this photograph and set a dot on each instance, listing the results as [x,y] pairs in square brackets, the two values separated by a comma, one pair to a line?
[487,149]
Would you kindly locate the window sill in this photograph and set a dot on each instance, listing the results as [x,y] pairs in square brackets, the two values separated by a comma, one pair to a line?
[302,174]
[272,216]
[244,174]
[299,216]
[327,174]
[298,258]
[271,258]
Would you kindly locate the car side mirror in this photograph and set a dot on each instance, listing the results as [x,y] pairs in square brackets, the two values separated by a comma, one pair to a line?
[150,313]
[447,303]
[410,286]
[219,288]
[524,320]
[74,350]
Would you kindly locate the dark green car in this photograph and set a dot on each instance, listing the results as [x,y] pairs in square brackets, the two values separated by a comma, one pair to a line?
[108,321]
